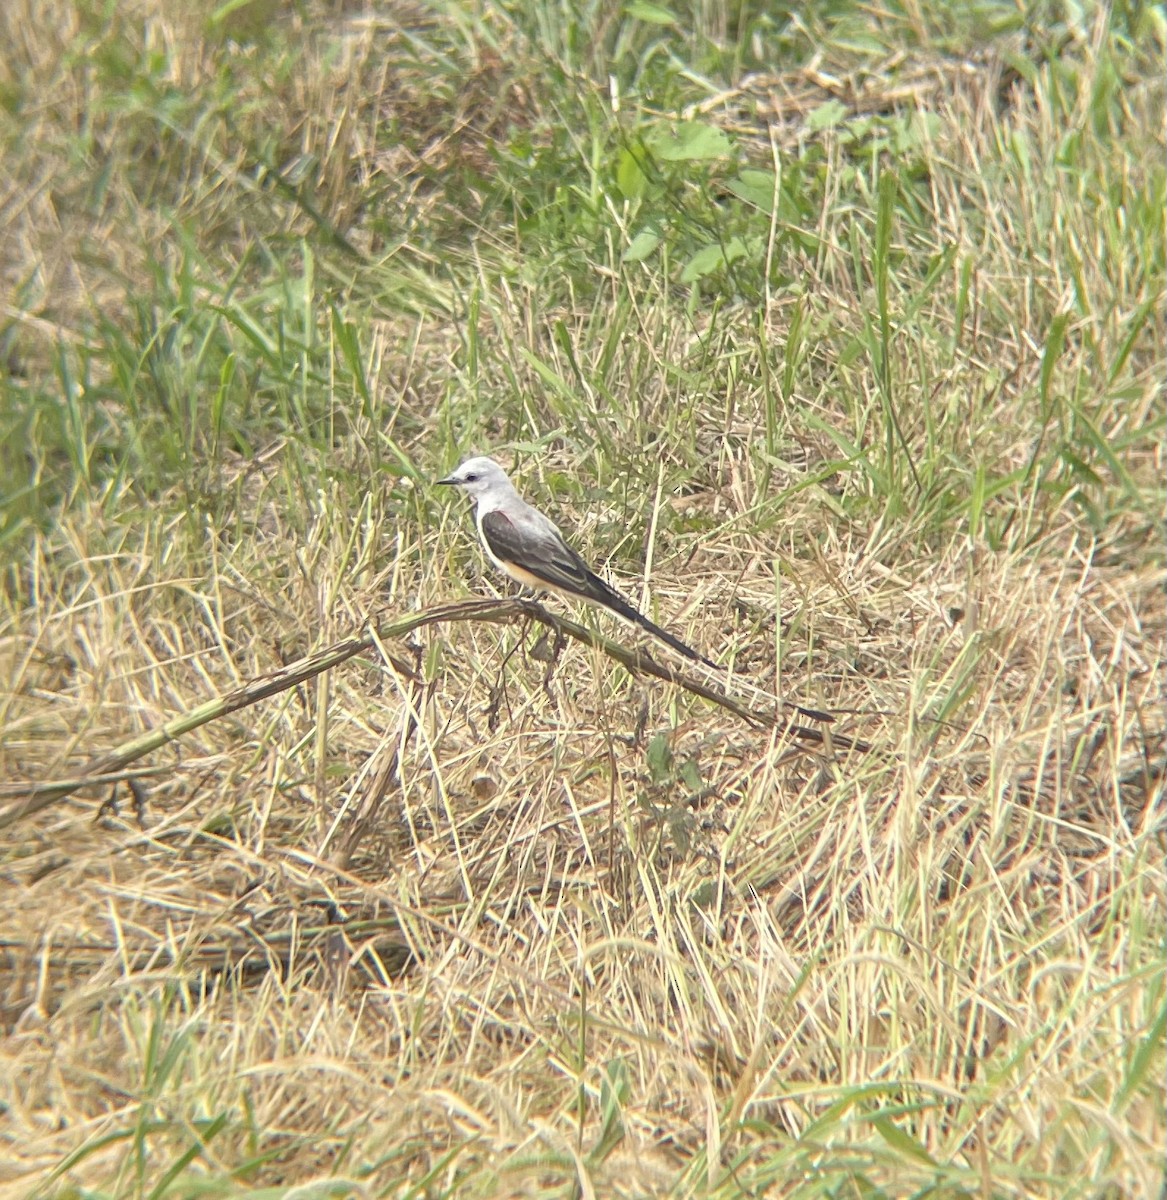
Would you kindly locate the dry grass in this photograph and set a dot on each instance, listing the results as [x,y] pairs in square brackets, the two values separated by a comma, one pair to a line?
[486,937]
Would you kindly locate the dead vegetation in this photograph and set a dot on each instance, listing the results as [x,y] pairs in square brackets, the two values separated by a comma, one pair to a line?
[496,931]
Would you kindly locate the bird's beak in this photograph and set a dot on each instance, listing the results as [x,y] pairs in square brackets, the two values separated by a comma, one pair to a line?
[449,481]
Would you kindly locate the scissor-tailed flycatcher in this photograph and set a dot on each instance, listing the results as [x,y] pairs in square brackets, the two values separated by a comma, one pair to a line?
[521,541]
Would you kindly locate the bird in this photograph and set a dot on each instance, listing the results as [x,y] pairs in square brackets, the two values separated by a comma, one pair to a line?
[527,546]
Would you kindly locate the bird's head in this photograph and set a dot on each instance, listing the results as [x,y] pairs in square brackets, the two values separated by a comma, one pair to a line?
[478,476]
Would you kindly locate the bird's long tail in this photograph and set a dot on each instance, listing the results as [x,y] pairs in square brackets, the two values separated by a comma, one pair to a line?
[608,596]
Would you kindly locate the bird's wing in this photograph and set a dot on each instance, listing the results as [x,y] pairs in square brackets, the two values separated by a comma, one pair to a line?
[539,549]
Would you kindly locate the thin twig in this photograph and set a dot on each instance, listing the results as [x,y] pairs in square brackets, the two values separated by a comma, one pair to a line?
[33,797]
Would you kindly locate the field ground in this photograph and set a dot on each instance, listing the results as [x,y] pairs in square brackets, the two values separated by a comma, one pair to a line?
[834,334]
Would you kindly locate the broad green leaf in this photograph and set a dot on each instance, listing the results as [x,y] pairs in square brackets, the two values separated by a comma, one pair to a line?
[826,116]
[629,177]
[692,142]
[641,246]
[754,187]
[653,14]
[660,758]
[691,775]
[709,258]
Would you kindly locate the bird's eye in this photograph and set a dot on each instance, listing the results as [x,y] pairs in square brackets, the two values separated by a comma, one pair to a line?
[471,478]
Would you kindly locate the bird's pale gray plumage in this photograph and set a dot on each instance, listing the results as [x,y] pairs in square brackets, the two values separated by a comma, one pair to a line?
[528,547]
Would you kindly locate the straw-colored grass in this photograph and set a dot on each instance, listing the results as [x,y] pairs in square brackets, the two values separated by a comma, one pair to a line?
[498,930]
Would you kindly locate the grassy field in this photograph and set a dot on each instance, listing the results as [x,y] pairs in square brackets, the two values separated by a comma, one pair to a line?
[834,334]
